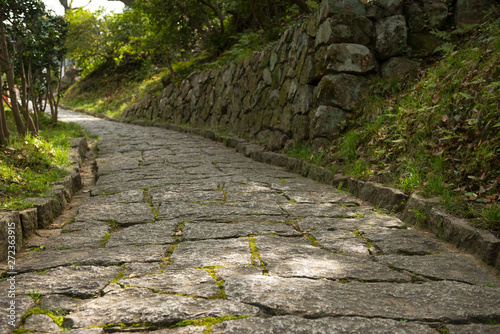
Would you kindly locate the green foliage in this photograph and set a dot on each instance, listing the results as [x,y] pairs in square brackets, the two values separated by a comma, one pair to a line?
[30,164]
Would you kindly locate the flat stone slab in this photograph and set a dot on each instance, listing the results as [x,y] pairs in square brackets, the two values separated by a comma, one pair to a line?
[182,330]
[136,305]
[473,329]
[325,210]
[96,257]
[310,224]
[401,241]
[327,325]
[84,281]
[35,322]
[22,305]
[208,253]
[343,242]
[293,257]
[448,302]
[84,238]
[157,233]
[160,195]
[121,213]
[171,210]
[194,282]
[60,303]
[116,163]
[82,331]
[443,267]
[334,197]
[140,269]
[206,230]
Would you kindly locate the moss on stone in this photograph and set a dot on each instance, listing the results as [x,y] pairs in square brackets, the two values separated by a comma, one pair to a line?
[313,240]
[118,277]
[207,322]
[255,253]
[105,239]
[58,320]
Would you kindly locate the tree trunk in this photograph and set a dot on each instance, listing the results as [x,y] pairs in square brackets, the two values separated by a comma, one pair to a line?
[58,97]
[4,131]
[31,84]
[24,101]
[50,97]
[9,73]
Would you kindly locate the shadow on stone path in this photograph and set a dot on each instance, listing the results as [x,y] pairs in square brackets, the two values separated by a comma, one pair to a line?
[179,228]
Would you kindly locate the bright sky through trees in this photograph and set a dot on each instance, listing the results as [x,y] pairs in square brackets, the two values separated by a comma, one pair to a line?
[115,6]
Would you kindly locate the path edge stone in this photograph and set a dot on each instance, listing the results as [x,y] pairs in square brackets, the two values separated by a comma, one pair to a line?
[412,210]
[45,209]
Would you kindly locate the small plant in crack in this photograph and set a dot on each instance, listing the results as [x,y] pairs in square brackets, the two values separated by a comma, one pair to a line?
[35,295]
[58,320]
[314,241]
[170,251]
[118,277]
[255,255]
[218,281]
[105,239]
[149,199]
[113,223]
[206,322]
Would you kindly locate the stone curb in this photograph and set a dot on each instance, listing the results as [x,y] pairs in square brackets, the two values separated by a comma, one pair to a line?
[45,209]
[413,210]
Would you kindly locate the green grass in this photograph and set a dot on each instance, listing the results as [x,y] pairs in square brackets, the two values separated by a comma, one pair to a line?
[30,164]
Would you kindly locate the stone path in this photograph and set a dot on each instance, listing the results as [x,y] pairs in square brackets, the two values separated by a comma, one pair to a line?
[180,230]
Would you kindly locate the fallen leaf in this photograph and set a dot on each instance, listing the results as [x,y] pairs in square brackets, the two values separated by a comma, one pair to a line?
[435,99]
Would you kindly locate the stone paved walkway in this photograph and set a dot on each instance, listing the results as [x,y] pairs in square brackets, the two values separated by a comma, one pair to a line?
[180,228]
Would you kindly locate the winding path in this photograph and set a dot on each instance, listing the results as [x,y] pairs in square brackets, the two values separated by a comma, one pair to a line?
[182,230]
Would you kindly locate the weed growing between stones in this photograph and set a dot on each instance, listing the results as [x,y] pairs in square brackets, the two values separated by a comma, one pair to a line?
[218,281]
[314,241]
[112,223]
[421,218]
[105,239]
[119,277]
[176,293]
[58,320]
[255,255]
[35,295]
[346,280]
[207,322]
[143,325]
[149,199]
[34,250]
[170,251]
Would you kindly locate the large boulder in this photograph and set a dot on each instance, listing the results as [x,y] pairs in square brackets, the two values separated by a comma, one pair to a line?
[326,121]
[346,58]
[345,28]
[426,14]
[331,7]
[391,36]
[344,91]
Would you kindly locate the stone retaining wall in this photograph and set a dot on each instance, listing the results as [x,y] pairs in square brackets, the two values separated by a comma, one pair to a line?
[306,85]
[44,209]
